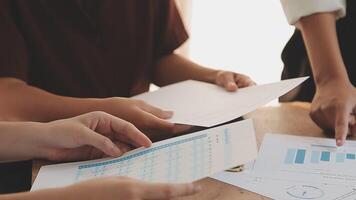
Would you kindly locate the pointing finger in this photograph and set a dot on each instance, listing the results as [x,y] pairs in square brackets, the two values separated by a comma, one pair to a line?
[104,144]
[122,128]
[341,125]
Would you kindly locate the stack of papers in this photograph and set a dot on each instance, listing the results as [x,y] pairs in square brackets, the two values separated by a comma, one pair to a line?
[182,159]
[190,157]
[203,104]
[292,167]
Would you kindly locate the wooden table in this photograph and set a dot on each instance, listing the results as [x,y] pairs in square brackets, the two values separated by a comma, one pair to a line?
[288,118]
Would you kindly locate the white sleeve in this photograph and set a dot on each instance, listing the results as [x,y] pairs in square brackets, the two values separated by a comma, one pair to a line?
[296,9]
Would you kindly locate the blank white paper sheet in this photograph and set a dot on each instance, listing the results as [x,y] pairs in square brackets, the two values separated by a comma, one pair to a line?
[204,104]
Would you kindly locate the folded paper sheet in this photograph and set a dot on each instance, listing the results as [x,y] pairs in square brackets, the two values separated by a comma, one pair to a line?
[182,159]
[203,104]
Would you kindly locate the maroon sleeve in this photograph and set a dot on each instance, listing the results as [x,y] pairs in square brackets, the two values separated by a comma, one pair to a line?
[13,53]
[171,32]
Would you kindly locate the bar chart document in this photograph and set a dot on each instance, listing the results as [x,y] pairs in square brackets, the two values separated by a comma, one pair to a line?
[277,188]
[204,104]
[307,158]
[292,167]
[182,159]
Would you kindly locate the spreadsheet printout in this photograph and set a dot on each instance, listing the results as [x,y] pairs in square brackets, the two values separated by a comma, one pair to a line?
[182,159]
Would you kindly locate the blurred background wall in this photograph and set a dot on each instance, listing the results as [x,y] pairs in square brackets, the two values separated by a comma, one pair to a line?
[242,36]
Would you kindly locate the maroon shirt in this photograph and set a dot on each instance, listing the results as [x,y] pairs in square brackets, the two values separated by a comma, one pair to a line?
[87,48]
[83,48]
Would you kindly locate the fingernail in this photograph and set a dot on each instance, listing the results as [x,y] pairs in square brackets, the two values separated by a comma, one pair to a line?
[232,86]
[167,114]
[116,150]
[148,144]
[339,142]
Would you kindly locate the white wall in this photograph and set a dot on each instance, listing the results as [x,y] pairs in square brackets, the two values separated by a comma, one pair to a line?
[244,36]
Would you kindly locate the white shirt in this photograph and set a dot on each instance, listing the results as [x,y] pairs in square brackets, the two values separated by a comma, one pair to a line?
[296,9]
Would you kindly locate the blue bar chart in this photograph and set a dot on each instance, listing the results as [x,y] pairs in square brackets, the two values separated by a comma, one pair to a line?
[306,159]
[300,157]
[303,156]
[350,156]
[325,156]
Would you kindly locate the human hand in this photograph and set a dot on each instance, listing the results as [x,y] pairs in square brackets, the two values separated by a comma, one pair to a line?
[128,189]
[89,136]
[141,114]
[334,108]
[231,81]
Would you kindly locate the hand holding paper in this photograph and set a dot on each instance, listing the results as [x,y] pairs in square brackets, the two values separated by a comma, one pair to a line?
[231,81]
[182,159]
[89,136]
[203,104]
[143,115]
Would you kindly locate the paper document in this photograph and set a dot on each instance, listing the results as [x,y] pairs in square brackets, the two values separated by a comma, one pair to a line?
[182,159]
[307,158]
[292,167]
[203,104]
[285,189]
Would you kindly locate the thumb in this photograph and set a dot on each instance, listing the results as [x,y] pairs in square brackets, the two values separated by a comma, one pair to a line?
[341,125]
[227,80]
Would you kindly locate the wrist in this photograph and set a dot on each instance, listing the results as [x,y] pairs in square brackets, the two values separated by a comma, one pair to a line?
[53,194]
[40,138]
[77,106]
[104,104]
[211,75]
[335,81]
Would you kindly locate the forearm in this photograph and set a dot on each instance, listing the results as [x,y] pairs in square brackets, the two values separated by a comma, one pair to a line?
[320,37]
[53,194]
[174,68]
[21,140]
[21,102]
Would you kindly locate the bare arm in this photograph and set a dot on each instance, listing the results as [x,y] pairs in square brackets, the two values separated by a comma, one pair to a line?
[110,188]
[73,139]
[77,138]
[80,138]
[55,194]
[335,98]
[319,33]
[174,68]
[22,102]
[18,140]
